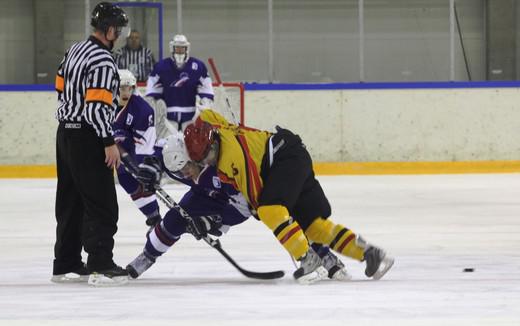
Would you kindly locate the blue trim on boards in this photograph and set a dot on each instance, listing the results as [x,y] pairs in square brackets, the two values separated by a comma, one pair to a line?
[381,85]
[331,86]
[27,88]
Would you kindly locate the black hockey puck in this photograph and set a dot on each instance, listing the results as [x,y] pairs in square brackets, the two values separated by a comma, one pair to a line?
[468,270]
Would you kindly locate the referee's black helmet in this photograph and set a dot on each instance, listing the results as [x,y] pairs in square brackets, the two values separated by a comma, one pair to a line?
[107,14]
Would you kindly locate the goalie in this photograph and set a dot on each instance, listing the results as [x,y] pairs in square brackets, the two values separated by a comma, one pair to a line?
[176,82]
[274,173]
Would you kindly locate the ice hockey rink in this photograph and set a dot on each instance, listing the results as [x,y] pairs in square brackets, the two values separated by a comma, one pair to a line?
[434,225]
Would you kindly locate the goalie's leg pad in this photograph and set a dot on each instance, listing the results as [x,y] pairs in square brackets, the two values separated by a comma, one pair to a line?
[287,231]
[336,236]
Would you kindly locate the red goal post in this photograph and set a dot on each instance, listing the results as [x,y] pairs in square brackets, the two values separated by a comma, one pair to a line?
[229,97]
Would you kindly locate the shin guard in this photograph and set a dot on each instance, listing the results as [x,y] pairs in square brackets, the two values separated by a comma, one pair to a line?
[287,231]
[336,236]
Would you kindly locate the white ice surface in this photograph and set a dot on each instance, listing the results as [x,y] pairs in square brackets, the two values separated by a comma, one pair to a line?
[435,226]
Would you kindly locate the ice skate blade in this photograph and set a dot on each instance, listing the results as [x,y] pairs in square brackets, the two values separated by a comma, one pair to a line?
[319,274]
[341,275]
[386,264]
[69,278]
[100,280]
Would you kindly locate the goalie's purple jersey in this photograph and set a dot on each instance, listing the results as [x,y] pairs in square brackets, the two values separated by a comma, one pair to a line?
[134,127]
[179,87]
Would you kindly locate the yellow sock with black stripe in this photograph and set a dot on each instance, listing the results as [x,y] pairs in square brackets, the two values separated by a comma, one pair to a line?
[287,231]
[336,236]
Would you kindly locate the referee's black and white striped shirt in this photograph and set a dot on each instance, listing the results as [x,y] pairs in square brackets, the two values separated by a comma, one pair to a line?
[139,61]
[87,83]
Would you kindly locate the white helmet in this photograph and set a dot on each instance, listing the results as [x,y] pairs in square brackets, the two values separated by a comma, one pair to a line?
[175,155]
[180,41]
[126,77]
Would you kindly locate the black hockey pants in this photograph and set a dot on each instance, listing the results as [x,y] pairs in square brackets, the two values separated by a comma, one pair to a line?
[289,180]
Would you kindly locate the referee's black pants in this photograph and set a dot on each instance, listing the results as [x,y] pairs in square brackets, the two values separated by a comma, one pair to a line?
[86,202]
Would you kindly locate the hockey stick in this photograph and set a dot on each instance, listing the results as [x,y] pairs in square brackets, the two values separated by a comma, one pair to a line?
[215,243]
[132,168]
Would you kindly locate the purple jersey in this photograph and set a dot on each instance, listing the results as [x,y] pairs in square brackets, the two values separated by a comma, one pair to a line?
[209,184]
[134,127]
[179,87]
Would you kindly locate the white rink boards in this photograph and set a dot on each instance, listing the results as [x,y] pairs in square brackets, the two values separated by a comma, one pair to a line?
[435,226]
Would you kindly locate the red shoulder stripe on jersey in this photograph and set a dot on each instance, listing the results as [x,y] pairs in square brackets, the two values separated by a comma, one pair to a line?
[254,185]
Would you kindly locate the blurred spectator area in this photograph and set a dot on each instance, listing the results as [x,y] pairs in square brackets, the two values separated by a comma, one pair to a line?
[311,41]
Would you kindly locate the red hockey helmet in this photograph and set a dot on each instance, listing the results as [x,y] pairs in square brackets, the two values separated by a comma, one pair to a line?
[199,137]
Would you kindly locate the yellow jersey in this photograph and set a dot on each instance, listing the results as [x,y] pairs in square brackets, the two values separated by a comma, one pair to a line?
[242,150]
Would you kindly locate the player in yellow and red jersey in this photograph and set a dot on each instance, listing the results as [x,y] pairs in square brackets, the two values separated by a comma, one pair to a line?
[274,172]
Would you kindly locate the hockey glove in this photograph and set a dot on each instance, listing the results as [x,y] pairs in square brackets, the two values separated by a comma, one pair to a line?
[149,173]
[200,226]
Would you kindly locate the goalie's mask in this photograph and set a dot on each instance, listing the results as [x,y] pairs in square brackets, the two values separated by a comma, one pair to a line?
[106,15]
[175,155]
[180,50]
[202,142]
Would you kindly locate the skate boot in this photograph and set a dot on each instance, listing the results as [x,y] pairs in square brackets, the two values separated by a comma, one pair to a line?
[310,270]
[378,262]
[140,264]
[79,275]
[335,267]
[113,276]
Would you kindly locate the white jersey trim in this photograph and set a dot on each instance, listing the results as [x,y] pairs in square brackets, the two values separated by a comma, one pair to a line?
[180,109]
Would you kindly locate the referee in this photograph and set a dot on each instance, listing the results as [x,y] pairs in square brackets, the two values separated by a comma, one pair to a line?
[135,57]
[86,204]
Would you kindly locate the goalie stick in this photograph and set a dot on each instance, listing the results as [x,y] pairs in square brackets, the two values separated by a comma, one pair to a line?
[131,167]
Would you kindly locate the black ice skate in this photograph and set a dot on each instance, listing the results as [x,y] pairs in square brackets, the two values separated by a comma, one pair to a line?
[378,262]
[114,276]
[311,269]
[335,267]
[139,265]
[79,275]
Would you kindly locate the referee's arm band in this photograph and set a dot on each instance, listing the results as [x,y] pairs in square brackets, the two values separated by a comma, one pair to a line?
[108,141]
[98,95]
[59,84]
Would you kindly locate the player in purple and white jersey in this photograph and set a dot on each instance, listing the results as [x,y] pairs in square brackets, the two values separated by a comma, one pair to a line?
[216,205]
[178,81]
[134,132]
